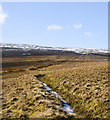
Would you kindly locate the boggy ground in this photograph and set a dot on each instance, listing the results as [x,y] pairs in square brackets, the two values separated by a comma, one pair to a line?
[80,80]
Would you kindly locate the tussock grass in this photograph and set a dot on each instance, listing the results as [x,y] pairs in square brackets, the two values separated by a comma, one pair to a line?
[80,80]
[83,85]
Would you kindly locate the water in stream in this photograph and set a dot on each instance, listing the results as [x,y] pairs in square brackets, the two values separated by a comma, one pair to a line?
[65,106]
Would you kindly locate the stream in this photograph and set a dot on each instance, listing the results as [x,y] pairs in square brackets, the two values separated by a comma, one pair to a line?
[65,106]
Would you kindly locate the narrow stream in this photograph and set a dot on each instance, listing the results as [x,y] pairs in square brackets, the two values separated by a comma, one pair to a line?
[65,106]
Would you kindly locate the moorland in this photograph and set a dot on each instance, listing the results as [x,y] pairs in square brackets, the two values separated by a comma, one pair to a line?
[82,80]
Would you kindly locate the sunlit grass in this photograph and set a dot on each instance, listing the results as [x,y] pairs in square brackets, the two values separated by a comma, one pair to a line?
[84,85]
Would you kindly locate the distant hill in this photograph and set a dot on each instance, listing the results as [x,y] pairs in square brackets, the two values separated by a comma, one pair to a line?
[9,49]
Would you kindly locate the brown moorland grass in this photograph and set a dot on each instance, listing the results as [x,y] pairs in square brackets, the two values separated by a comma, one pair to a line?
[84,85]
[10,63]
[25,97]
[15,63]
[80,80]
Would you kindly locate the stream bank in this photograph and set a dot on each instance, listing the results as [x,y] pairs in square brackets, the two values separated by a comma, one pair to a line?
[64,105]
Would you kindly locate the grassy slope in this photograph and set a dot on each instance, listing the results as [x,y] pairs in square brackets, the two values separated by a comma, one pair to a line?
[25,96]
[84,85]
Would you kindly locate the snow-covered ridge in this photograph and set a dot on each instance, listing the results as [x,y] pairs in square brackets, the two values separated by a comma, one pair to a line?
[27,47]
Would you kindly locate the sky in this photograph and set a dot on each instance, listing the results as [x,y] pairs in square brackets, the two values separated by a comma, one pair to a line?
[57,24]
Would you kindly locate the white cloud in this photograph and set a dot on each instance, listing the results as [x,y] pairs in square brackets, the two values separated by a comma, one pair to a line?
[54,27]
[3,15]
[77,26]
[88,34]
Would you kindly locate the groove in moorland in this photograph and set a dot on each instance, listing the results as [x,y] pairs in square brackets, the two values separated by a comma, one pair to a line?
[65,106]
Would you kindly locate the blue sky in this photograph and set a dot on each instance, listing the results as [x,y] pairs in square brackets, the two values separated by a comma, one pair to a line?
[77,25]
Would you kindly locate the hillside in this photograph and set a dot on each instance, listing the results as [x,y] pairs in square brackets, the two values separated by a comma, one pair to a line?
[10,50]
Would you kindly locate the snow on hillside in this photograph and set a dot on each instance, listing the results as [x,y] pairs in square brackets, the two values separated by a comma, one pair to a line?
[9,46]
